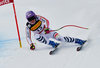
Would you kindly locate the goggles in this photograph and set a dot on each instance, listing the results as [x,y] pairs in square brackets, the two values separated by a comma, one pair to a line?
[31,18]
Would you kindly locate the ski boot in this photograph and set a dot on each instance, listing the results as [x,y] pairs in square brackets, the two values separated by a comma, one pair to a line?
[53,44]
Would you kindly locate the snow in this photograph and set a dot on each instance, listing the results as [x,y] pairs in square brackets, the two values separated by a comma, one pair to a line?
[84,13]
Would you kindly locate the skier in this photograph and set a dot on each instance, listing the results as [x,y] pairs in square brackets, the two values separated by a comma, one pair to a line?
[40,27]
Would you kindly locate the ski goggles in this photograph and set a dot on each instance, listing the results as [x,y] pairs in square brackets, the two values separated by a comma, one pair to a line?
[31,18]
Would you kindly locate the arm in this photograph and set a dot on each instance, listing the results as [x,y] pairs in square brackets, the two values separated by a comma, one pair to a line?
[28,38]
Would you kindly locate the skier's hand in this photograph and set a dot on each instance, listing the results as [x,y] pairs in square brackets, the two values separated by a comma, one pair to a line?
[46,30]
[32,46]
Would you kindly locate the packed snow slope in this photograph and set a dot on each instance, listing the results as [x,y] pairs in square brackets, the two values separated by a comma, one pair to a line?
[84,13]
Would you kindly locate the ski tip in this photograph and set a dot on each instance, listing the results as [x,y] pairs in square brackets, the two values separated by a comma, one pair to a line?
[51,52]
[78,48]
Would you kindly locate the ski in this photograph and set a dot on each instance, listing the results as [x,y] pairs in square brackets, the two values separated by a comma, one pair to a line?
[53,51]
[80,47]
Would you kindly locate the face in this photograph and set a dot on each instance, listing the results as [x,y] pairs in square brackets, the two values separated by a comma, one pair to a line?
[32,21]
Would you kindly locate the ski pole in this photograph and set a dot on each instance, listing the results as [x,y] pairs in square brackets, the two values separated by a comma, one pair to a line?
[68,26]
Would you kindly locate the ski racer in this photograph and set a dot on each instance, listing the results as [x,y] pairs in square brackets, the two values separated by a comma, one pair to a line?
[40,27]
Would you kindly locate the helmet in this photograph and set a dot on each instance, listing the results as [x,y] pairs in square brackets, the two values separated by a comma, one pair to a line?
[30,15]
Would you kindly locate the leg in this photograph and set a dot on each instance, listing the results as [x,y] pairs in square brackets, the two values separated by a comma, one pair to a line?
[56,36]
[45,40]
[41,38]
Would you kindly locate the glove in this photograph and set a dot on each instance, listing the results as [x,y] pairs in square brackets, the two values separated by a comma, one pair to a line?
[32,46]
[46,30]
